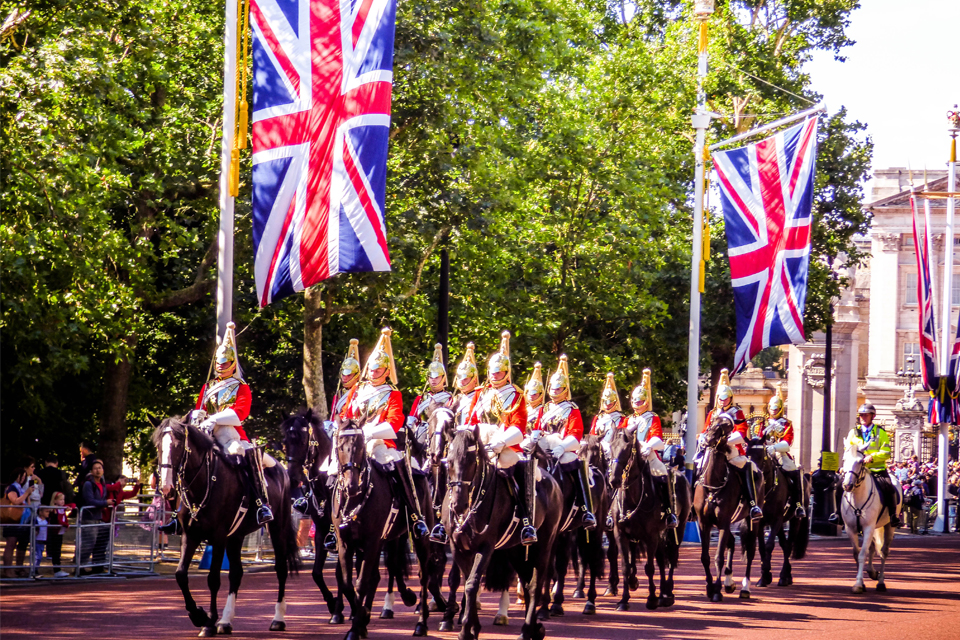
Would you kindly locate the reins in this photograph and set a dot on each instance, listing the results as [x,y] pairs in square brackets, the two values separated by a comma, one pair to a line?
[477,493]
[183,488]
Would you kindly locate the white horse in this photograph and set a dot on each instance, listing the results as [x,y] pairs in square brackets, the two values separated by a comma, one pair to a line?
[863,510]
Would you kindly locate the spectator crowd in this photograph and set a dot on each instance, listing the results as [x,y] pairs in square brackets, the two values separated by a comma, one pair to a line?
[919,483]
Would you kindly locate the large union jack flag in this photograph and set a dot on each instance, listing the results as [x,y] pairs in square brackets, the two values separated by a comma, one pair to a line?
[322,79]
[928,325]
[767,194]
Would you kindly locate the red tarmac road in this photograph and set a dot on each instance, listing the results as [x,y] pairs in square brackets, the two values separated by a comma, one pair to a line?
[922,603]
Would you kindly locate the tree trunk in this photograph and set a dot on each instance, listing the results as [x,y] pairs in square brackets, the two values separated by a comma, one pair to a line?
[113,413]
[312,349]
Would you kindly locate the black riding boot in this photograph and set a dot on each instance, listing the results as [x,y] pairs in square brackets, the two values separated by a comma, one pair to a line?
[667,500]
[172,528]
[589,520]
[890,500]
[408,494]
[796,492]
[750,491]
[525,499]
[836,517]
[255,461]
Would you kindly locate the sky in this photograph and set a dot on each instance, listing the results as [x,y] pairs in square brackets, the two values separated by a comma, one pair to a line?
[900,78]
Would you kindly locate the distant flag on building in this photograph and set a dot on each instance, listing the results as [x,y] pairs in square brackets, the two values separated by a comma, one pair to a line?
[322,82]
[767,195]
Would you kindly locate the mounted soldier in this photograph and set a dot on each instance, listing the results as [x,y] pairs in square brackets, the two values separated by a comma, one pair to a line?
[737,441]
[377,407]
[778,433]
[533,391]
[468,379]
[500,410]
[873,442]
[436,394]
[561,429]
[649,431]
[610,418]
[222,406]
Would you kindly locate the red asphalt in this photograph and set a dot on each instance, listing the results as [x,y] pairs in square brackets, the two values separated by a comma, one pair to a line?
[923,578]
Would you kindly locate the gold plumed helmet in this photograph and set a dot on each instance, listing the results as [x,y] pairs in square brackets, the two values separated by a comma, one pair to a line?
[500,361]
[382,357]
[535,383]
[724,390]
[351,363]
[227,353]
[436,368]
[775,406]
[609,395]
[560,380]
[468,366]
[643,392]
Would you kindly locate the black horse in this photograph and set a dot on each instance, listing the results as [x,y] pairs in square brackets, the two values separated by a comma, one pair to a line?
[590,547]
[366,514]
[211,489]
[307,446]
[479,512]
[777,512]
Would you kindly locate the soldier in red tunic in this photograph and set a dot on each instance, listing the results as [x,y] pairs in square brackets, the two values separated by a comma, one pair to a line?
[468,379]
[610,418]
[501,412]
[562,428]
[378,407]
[649,432]
[737,441]
[779,435]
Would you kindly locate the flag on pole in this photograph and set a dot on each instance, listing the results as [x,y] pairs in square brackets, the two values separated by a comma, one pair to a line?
[928,324]
[766,192]
[322,81]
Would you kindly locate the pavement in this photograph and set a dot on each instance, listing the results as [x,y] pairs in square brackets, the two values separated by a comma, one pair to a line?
[922,603]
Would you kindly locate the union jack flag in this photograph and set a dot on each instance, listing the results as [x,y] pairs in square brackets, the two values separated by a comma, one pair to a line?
[766,191]
[928,325]
[322,80]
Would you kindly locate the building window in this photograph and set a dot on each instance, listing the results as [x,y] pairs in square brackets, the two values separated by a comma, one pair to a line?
[911,349]
[955,290]
[911,289]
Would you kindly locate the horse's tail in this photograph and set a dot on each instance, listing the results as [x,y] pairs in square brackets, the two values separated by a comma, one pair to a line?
[294,561]
[800,536]
[748,538]
[499,573]
[397,558]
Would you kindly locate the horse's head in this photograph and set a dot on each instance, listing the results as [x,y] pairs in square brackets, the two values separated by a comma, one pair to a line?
[305,443]
[351,453]
[465,462]
[623,448]
[592,452]
[715,436]
[441,428]
[172,439]
[852,466]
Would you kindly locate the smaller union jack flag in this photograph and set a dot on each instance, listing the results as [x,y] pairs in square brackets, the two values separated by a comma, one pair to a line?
[766,191]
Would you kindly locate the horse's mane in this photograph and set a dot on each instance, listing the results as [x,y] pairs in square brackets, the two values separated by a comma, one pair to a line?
[181,430]
[325,443]
[462,441]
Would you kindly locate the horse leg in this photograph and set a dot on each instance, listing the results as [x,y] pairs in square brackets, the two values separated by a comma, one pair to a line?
[719,562]
[560,566]
[471,590]
[453,582]
[728,551]
[199,617]
[884,544]
[786,547]
[858,586]
[583,553]
[336,615]
[595,554]
[765,542]
[387,611]
[345,579]
[213,579]
[705,557]
[318,561]
[423,549]
[233,550]
[661,565]
[366,587]
[614,563]
[874,545]
[652,550]
[503,609]
[536,585]
[672,557]
[626,556]
[751,549]
[283,537]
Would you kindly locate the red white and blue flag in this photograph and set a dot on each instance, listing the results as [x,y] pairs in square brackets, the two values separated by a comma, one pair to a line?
[928,325]
[322,80]
[767,195]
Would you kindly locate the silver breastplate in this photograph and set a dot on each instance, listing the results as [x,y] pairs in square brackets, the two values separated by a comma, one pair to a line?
[220,395]
[607,421]
[555,417]
[370,401]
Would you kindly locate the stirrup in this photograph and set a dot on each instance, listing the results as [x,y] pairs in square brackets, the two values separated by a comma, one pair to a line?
[172,528]
[419,529]
[301,505]
[330,542]
[609,523]
[800,512]
[439,534]
[528,535]
[755,513]
[672,521]
[264,515]
[834,518]
[589,520]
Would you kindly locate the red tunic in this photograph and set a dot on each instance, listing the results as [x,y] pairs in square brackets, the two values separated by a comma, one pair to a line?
[739,425]
[574,426]
[241,406]
[514,416]
[391,413]
[786,435]
[620,425]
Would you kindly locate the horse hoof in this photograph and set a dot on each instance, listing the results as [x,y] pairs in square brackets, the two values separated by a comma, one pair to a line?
[227,629]
[336,618]
[207,632]
[434,607]
[612,591]
[556,611]
[785,582]
[667,601]
[716,597]
[543,615]
[859,588]
[729,588]
[353,635]
[589,609]
[420,630]
[874,574]
[278,625]
[744,595]
[199,618]
[386,614]
[579,595]
[881,587]
[500,620]
[623,606]
[538,632]
[652,603]
[634,583]
[409,597]
[763,583]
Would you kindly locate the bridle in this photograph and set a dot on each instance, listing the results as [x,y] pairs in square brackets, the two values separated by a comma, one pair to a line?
[860,475]
[182,487]
[343,489]
[712,490]
[478,490]
[310,460]
[621,491]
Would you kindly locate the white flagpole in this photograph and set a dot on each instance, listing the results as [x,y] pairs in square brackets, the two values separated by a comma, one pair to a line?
[943,440]
[701,120]
[225,237]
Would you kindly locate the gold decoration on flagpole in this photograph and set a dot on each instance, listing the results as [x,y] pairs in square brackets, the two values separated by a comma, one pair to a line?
[243,107]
